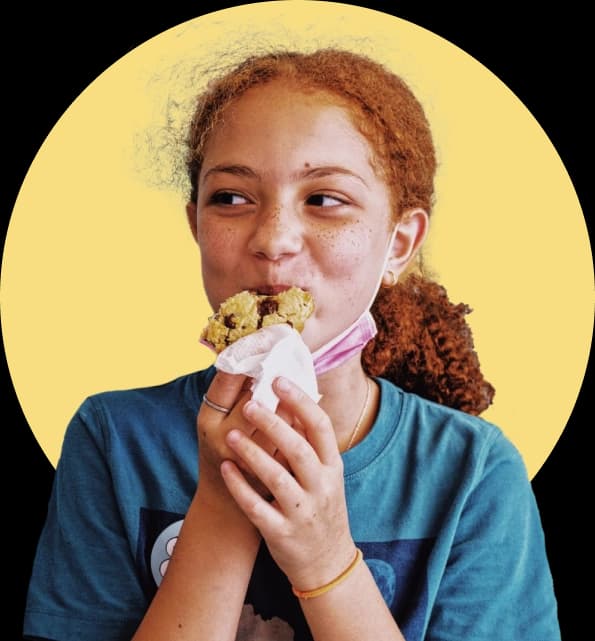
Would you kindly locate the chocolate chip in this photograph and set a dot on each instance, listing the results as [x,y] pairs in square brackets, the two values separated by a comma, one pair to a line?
[267,306]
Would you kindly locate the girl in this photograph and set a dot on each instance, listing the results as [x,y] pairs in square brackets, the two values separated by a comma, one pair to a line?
[387,510]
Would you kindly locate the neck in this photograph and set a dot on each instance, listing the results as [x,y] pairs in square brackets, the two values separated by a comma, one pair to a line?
[344,390]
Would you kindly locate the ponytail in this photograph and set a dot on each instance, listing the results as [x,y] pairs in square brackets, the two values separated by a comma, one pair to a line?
[425,346]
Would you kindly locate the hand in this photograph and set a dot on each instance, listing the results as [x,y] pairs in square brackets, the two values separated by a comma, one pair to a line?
[306,525]
[229,391]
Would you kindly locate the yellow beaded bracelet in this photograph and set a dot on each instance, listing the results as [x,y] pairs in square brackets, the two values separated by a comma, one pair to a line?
[309,594]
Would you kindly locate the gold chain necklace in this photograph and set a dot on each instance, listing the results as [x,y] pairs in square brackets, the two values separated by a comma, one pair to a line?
[361,416]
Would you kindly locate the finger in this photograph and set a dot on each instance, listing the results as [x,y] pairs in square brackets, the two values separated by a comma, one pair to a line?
[281,458]
[316,423]
[293,447]
[285,414]
[264,516]
[282,485]
[223,392]
[263,442]
[261,439]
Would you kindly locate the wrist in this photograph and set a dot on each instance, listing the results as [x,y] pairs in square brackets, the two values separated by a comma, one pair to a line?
[326,571]
[222,516]
[327,587]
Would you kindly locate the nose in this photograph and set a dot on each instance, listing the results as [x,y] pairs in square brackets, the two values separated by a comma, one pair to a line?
[277,235]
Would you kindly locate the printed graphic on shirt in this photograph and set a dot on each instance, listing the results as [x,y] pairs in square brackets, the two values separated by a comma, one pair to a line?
[253,626]
[157,534]
[271,612]
[400,571]
[163,549]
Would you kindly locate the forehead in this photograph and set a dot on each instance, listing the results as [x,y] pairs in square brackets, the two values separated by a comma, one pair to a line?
[282,118]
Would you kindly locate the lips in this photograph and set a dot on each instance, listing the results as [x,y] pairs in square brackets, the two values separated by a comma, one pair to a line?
[271,290]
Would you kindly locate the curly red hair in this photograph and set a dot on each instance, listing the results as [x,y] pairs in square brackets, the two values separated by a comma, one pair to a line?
[424,343]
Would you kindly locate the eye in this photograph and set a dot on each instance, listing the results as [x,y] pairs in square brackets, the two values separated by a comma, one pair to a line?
[228,198]
[324,200]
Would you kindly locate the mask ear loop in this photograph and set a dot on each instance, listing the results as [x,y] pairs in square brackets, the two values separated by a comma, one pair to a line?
[387,256]
[366,315]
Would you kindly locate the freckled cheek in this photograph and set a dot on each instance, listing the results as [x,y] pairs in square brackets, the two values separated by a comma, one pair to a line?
[343,253]
[217,245]
[350,264]
[341,265]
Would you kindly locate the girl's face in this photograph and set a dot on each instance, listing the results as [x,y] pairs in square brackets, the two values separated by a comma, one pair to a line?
[287,196]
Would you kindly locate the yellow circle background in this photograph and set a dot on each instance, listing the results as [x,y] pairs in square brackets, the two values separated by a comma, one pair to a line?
[101,283]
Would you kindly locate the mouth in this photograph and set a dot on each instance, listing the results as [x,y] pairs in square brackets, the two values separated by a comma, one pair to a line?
[272,290]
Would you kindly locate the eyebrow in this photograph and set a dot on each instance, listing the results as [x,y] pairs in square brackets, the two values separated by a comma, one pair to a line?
[235,170]
[318,172]
[308,172]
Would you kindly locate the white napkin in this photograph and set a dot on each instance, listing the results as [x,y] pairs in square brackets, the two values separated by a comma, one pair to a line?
[277,350]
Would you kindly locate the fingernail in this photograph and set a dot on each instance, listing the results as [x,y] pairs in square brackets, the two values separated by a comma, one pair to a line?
[233,436]
[283,384]
[226,466]
[250,407]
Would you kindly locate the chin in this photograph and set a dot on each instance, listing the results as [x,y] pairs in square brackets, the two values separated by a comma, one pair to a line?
[314,337]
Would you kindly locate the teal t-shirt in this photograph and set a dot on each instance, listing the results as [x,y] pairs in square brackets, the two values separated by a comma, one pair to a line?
[439,502]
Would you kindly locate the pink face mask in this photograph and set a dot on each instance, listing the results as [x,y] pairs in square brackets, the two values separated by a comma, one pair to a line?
[345,346]
[352,340]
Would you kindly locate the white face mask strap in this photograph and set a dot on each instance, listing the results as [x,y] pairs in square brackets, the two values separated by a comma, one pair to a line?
[387,257]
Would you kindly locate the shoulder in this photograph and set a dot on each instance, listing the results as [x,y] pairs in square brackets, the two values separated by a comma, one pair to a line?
[126,413]
[446,434]
[185,390]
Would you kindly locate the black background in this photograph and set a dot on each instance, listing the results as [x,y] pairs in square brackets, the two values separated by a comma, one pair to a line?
[50,54]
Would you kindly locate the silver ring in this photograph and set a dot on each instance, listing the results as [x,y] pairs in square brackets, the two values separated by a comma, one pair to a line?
[214,406]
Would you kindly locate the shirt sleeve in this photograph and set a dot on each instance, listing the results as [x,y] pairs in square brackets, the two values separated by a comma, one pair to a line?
[497,583]
[83,583]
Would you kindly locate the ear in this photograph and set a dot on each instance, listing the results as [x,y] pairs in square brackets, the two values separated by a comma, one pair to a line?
[191,216]
[411,233]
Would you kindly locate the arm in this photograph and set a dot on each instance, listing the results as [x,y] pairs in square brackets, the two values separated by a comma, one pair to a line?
[202,593]
[352,610]
[497,582]
[306,525]
[84,582]
[87,582]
